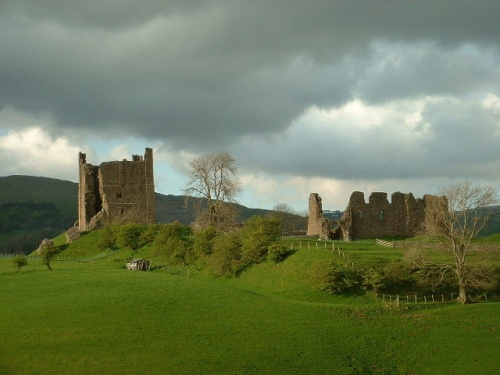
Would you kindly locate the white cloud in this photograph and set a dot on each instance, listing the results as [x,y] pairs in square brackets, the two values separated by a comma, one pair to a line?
[33,151]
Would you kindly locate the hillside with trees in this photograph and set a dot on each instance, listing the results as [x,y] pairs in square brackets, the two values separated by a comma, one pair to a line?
[34,208]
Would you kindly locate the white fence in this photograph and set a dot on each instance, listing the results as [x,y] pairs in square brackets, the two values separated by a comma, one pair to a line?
[408,299]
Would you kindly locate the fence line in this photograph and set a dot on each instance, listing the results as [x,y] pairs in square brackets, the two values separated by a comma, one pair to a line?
[432,298]
[410,298]
[335,250]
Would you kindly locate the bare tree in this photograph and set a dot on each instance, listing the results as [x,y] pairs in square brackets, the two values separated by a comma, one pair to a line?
[460,218]
[291,220]
[214,178]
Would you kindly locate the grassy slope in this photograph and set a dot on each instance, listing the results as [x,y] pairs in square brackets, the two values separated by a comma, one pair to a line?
[99,318]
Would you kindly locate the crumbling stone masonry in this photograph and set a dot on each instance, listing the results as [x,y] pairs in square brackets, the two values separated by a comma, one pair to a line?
[116,191]
[317,224]
[315,215]
[404,216]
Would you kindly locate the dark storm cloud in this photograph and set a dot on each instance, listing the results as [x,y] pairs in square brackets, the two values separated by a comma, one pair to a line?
[422,69]
[202,75]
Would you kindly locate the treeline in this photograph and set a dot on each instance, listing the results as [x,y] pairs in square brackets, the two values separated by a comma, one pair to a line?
[31,215]
[220,253]
[25,224]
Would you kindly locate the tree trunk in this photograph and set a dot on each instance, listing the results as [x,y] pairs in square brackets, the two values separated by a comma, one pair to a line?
[463,296]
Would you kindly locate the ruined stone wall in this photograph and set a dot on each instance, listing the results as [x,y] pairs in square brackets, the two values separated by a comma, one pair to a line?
[118,191]
[404,216]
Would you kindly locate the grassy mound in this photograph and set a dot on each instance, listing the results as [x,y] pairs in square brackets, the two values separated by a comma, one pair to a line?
[97,317]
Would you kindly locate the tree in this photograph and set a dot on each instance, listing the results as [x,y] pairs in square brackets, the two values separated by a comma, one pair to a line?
[460,217]
[129,235]
[291,220]
[19,262]
[214,178]
[46,252]
[256,235]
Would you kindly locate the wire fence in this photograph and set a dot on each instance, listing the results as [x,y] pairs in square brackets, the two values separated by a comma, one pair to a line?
[416,299]
[396,300]
[326,246]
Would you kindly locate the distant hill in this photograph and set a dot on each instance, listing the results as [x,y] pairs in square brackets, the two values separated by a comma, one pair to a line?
[40,189]
[494,226]
[39,207]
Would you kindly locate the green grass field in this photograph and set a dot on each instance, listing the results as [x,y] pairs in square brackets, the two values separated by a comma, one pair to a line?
[98,318]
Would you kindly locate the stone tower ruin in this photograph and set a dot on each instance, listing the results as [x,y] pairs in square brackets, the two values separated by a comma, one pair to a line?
[317,224]
[116,191]
[315,215]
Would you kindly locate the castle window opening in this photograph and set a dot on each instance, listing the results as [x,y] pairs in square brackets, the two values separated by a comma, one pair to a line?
[119,194]
[381,215]
[361,214]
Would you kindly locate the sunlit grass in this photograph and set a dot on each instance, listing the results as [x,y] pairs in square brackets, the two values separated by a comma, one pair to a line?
[96,317]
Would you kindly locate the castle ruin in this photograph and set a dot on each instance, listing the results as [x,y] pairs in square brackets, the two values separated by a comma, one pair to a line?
[116,191]
[404,216]
[317,224]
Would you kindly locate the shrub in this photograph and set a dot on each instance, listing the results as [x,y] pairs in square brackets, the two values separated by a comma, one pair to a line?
[276,253]
[257,234]
[204,241]
[19,262]
[108,238]
[149,234]
[373,280]
[226,257]
[129,235]
[336,279]
[398,276]
[170,242]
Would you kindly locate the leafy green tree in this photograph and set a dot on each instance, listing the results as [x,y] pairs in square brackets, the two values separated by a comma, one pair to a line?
[129,235]
[257,234]
[46,252]
[171,242]
[226,257]
[204,241]
[19,262]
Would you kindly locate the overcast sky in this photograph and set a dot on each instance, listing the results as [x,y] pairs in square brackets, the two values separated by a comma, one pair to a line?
[309,96]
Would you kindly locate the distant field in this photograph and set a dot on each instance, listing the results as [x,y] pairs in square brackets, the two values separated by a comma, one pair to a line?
[96,317]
